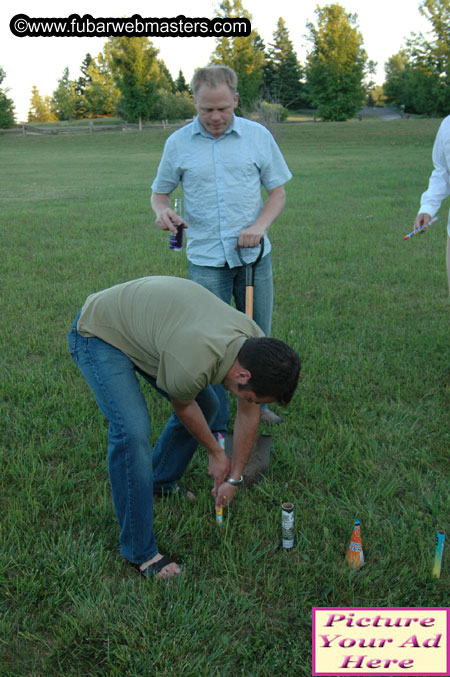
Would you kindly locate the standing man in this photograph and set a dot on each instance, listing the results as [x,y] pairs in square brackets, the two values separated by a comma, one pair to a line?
[221,162]
[439,184]
[181,339]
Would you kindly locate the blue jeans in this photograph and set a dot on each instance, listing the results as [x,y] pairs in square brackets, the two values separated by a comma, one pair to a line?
[228,283]
[134,471]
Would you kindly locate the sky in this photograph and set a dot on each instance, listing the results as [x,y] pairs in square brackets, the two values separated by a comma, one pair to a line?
[40,61]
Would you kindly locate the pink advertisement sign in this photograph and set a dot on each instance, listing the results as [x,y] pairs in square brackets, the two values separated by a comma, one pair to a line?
[381,641]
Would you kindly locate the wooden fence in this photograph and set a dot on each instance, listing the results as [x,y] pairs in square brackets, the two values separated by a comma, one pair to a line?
[25,129]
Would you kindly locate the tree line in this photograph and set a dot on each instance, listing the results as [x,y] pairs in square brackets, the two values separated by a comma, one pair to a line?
[127,79]
[418,76]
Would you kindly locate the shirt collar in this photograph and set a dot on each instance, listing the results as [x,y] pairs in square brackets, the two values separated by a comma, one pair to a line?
[197,127]
[225,364]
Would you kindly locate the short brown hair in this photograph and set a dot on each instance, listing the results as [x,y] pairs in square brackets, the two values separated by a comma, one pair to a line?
[274,367]
[212,76]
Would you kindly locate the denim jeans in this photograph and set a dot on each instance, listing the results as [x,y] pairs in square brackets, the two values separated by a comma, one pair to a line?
[134,471]
[228,283]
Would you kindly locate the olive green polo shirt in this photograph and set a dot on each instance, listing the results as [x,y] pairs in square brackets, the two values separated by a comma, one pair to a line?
[173,329]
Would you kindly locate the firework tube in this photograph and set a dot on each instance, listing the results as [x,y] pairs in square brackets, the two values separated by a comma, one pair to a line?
[439,554]
[219,511]
[287,526]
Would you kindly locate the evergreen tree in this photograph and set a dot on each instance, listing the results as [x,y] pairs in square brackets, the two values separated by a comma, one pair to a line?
[40,107]
[166,80]
[282,72]
[6,105]
[244,54]
[180,83]
[80,86]
[337,64]
[137,75]
[64,100]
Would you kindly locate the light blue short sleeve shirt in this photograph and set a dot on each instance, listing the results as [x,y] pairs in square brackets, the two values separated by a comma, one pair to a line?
[221,180]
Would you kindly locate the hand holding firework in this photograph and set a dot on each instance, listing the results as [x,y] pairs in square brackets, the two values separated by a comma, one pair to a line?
[422,225]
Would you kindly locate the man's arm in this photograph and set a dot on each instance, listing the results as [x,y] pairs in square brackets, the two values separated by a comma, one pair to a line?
[245,430]
[166,218]
[194,421]
[251,236]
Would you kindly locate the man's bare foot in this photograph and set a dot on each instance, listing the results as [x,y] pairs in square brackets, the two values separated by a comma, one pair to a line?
[159,566]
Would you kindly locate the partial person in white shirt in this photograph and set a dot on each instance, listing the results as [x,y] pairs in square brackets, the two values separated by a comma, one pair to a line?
[439,184]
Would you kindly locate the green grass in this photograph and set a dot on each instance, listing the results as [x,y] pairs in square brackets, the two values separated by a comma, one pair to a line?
[366,436]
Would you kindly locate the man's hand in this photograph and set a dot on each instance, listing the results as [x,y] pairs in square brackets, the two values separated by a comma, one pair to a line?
[219,467]
[251,236]
[169,220]
[224,494]
[245,430]
[191,416]
[166,218]
[422,219]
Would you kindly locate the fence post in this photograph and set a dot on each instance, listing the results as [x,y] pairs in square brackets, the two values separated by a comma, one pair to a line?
[24,131]
[91,124]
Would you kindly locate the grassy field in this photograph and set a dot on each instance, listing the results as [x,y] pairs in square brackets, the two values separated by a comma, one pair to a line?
[366,436]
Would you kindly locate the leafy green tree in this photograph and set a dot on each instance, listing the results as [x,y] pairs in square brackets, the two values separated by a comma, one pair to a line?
[282,71]
[431,59]
[40,107]
[376,96]
[137,75]
[418,77]
[178,106]
[438,13]
[396,78]
[244,54]
[337,64]
[410,86]
[100,95]
[64,100]
[6,105]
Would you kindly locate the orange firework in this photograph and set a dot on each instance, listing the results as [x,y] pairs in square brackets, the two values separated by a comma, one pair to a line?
[355,555]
